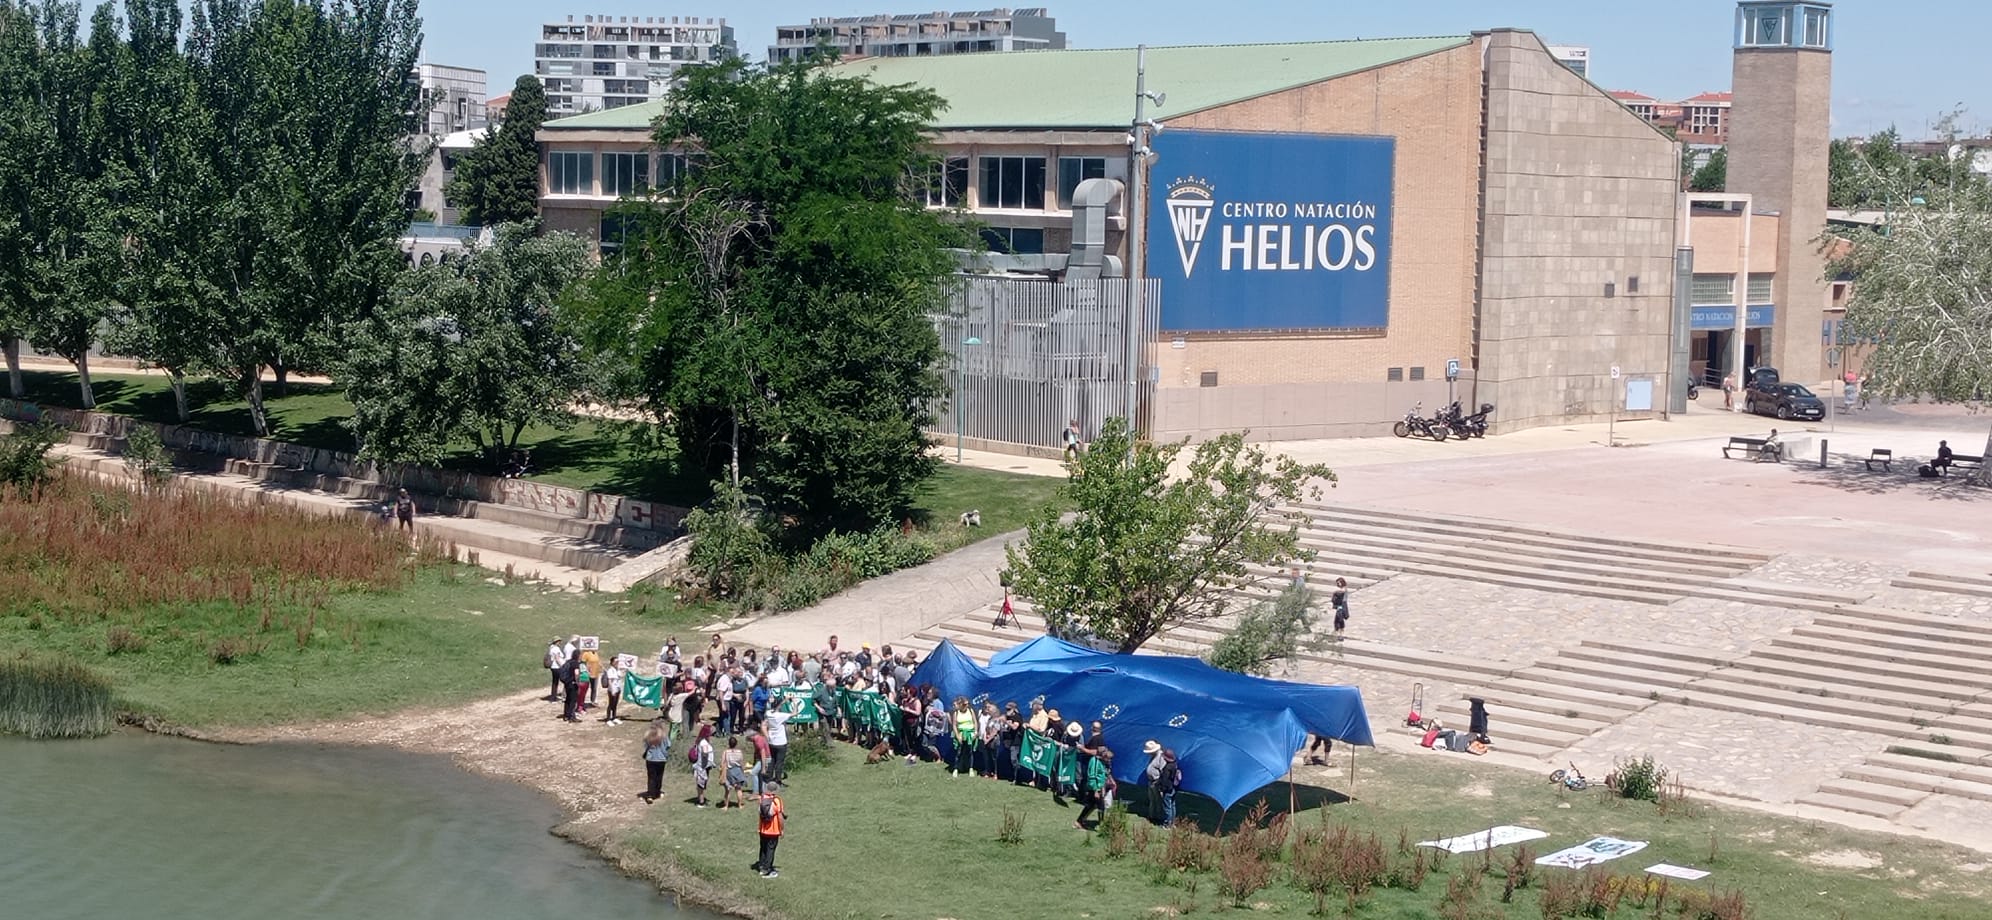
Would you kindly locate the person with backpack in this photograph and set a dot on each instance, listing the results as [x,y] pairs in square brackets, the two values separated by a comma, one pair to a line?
[702,760]
[773,815]
[1167,781]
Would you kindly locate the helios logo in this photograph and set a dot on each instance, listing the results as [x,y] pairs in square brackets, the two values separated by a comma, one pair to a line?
[1189,216]
[1298,236]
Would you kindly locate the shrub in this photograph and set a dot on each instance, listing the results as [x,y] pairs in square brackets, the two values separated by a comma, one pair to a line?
[809,748]
[1010,829]
[121,639]
[1244,869]
[54,699]
[1521,866]
[1410,868]
[228,649]
[1312,866]
[728,543]
[1189,849]
[145,457]
[25,463]
[1640,780]
[1696,904]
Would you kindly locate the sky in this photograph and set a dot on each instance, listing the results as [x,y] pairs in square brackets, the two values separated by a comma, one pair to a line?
[1889,68]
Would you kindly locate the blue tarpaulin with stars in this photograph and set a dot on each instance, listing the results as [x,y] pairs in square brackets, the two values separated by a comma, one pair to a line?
[1232,733]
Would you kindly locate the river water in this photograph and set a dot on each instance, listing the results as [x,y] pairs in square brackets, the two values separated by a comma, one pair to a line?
[142,826]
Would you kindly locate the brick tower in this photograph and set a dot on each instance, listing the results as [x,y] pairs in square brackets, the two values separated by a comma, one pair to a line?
[1779,134]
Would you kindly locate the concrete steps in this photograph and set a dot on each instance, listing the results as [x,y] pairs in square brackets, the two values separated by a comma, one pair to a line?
[1856,804]
[1425,522]
[1973,585]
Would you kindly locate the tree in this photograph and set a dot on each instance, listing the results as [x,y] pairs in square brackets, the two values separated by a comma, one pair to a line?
[781,289]
[20,73]
[478,348]
[497,180]
[1269,631]
[1712,175]
[1146,552]
[1922,284]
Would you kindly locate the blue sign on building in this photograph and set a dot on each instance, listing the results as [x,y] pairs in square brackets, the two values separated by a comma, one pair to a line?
[1253,231]
[1759,316]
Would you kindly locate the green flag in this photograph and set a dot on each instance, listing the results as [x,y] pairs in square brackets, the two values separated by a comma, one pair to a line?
[1068,766]
[1036,753]
[800,704]
[647,692]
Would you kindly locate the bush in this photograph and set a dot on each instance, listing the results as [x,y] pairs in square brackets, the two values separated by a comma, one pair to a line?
[728,544]
[54,699]
[1696,904]
[1010,830]
[1641,779]
[146,458]
[1189,849]
[228,649]
[809,747]
[121,639]
[25,463]
[1244,869]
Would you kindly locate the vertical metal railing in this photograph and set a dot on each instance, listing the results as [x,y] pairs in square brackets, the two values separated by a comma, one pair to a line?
[1023,358]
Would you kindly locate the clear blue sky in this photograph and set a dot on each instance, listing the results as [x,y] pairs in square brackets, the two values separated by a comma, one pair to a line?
[1901,62]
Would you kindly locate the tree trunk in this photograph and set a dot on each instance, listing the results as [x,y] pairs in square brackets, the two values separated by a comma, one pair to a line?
[518,428]
[1983,476]
[734,467]
[258,418]
[82,362]
[178,382]
[15,387]
[283,378]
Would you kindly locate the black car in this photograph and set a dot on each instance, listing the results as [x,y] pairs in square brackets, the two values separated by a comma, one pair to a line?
[1785,400]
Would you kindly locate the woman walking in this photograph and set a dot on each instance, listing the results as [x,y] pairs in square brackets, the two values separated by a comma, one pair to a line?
[656,749]
[736,774]
[702,763]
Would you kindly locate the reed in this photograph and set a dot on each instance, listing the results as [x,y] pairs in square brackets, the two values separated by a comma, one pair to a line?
[54,699]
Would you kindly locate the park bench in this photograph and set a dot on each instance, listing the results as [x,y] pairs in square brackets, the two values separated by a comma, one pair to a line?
[1964,462]
[1752,448]
[1882,457]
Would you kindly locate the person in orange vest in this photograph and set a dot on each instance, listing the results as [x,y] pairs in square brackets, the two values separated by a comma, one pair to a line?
[772,817]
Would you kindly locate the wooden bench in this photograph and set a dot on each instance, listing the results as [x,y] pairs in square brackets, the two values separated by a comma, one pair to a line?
[1882,457]
[1753,449]
[1962,462]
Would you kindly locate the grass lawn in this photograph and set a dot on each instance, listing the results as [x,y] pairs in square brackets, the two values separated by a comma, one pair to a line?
[448,636]
[591,455]
[889,841]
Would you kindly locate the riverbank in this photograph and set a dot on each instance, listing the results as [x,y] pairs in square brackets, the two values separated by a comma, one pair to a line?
[889,840]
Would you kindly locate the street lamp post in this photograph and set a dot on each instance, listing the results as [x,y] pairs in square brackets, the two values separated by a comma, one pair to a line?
[961,356]
[1137,230]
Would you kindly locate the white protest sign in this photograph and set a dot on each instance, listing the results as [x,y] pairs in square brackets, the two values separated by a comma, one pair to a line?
[1486,840]
[1592,852]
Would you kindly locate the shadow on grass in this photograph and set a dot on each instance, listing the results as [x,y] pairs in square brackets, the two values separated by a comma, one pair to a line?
[1281,798]
[1849,473]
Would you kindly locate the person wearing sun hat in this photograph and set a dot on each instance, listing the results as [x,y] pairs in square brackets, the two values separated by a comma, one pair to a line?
[1070,759]
[1152,749]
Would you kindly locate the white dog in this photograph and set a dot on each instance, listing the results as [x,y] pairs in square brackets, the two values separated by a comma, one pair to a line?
[971,519]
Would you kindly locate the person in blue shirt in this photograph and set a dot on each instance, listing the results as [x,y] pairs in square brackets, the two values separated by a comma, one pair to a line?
[759,698]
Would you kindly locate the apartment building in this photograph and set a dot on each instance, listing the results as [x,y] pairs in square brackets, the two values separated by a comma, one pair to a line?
[1575,57]
[920,34]
[607,62]
[1701,120]
[452,98]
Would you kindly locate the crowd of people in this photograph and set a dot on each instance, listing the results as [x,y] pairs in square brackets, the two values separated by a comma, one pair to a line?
[727,711]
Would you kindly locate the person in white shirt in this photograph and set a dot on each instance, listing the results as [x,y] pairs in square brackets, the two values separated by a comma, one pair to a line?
[779,676]
[555,658]
[612,684]
[775,726]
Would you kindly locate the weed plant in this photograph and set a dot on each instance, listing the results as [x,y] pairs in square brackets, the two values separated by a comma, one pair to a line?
[54,699]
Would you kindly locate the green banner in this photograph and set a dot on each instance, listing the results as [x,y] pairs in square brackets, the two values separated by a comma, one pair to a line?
[647,692]
[1037,753]
[799,703]
[1067,769]
[868,709]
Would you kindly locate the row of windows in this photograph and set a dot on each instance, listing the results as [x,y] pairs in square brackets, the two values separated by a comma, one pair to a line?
[1007,182]
[570,172]
[1720,290]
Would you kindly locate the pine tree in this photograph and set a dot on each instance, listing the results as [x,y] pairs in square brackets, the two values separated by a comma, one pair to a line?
[497,181]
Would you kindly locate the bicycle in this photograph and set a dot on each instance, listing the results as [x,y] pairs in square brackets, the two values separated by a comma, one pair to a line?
[1571,779]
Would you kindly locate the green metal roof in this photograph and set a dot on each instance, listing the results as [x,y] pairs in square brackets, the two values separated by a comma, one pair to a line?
[1094,88]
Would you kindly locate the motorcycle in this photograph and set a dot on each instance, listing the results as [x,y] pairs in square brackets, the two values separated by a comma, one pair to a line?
[1413,423]
[1471,426]
[1694,389]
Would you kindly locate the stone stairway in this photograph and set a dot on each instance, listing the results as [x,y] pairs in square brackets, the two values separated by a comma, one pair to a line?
[1377,544]
[1973,585]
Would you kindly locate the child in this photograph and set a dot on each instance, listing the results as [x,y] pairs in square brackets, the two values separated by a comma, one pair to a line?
[736,774]
[612,681]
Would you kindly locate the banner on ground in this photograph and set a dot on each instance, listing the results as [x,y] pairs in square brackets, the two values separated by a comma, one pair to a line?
[1592,852]
[647,692]
[1036,753]
[1486,840]
[798,702]
[1680,872]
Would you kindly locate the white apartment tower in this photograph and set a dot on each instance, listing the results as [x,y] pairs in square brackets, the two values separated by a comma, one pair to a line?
[452,98]
[920,34]
[605,62]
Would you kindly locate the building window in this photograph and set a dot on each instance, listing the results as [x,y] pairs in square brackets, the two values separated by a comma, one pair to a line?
[615,231]
[1013,182]
[570,173]
[1074,170]
[1020,241]
[1815,28]
[1760,288]
[625,174]
[1705,119]
[947,182]
[1712,290]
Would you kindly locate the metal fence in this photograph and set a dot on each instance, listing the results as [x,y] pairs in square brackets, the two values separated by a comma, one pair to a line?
[1026,357]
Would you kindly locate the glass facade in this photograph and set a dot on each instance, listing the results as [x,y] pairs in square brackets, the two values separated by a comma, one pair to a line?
[570,173]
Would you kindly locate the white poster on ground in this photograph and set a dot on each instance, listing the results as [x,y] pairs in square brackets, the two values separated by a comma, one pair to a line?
[1592,852]
[1487,839]
[1680,872]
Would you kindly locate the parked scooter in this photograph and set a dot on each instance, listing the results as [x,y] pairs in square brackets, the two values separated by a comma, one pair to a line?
[1413,423]
[1694,389]
[1469,426]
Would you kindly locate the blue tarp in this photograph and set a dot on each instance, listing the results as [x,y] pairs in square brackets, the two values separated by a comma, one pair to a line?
[1232,733]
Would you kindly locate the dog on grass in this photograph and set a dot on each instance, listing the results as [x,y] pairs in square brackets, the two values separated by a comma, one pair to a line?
[881,753]
[971,519]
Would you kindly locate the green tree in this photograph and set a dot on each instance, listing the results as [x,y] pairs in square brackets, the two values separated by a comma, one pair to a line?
[497,181]
[775,301]
[20,135]
[1145,551]
[1922,291]
[1712,175]
[478,348]
[1273,630]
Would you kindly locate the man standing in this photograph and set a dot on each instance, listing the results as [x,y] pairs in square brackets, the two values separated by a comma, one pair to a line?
[1152,775]
[569,690]
[772,817]
[555,658]
[776,722]
[1340,601]
[1167,781]
[404,511]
